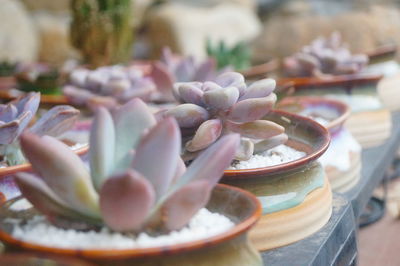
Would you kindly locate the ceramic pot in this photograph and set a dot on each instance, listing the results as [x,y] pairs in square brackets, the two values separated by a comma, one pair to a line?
[7,82]
[30,260]
[295,196]
[342,160]
[229,248]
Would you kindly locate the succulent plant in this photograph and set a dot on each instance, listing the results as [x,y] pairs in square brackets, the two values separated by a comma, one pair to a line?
[102,30]
[237,57]
[172,68]
[324,56]
[108,86]
[136,181]
[7,68]
[38,77]
[16,116]
[213,109]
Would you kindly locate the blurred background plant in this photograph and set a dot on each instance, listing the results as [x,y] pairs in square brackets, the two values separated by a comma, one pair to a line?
[102,30]
[237,56]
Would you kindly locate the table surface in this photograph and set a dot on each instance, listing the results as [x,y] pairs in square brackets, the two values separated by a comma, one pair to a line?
[335,243]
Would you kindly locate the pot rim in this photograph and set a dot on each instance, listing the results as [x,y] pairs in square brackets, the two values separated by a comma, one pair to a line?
[132,253]
[338,80]
[283,167]
[25,167]
[343,109]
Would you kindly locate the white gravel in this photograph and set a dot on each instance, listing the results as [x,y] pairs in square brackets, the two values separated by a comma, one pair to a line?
[278,155]
[37,230]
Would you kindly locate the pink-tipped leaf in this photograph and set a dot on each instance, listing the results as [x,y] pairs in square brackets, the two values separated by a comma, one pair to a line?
[62,170]
[207,133]
[260,88]
[251,109]
[126,200]
[188,115]
[221,99]
[259,129]
[156,156]
[270,143]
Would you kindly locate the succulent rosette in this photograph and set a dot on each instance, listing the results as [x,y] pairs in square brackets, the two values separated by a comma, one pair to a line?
[136,181]
[108,86]
[324,56]
[210,110]
[173,68]
[18,114]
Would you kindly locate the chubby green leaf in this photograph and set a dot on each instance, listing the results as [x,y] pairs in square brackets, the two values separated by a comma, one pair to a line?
[156,156]
[102,147]
[131,121]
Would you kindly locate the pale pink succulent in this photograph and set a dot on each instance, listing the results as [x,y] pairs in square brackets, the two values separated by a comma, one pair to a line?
[324,56]
[213,109]
[17,115]
[108,86]
[136,181]
[172,68]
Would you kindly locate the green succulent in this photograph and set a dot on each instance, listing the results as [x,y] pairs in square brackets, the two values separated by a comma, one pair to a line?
[237,56]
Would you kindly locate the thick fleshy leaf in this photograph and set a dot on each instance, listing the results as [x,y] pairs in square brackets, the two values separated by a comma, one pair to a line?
[207,133]
[259,129]
[260,88]
[62,170]
[205,70]
[107,102]
[56,121]
[190,93]
[180,170]
[102,147]
[24,119]
[77,96]
[30,102]
[161,146]
[232,79]
[245,150]
[270,143]
[95,80]
[210,164]
[45,200]
[184,70]
[307,61]
[9,132]
[162,77]
[185,203]
[115,86]
[8,113]
[188,115]
[78,77]
[209,85]
[126,200]
[131,120]
[221,99]
[251,109]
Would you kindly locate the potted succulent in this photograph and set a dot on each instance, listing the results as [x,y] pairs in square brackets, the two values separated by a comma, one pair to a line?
[7,71]
[238,58]
[286,178]
[108,86]
[342,160]
[16,117]
[327,62]
[162,198]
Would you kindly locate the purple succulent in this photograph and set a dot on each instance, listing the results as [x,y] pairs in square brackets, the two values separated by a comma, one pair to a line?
[213,109]
[137,180]
[108,86]
[324,56]
[172,68]
[17,115]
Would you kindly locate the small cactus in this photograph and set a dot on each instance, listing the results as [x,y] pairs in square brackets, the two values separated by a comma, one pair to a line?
[137,180]
[16,116]
[108,86]
[324,56]
[102,30]
[210,110]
